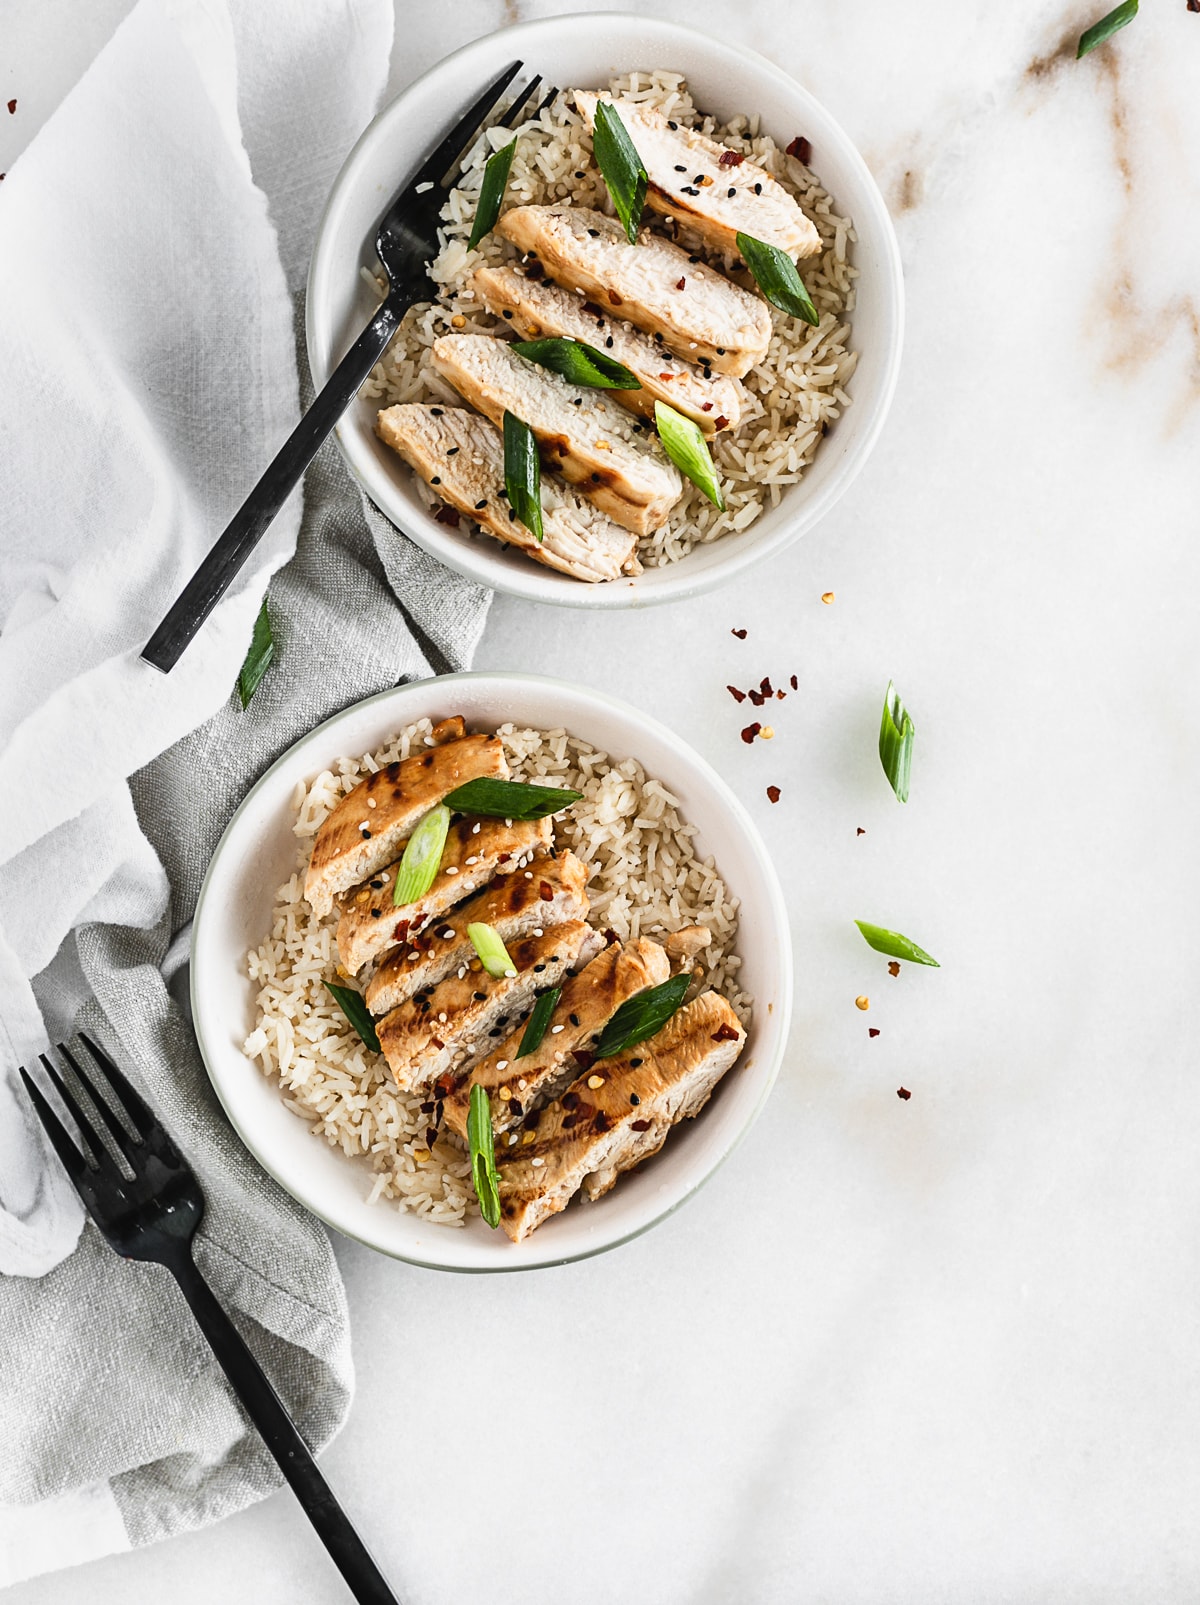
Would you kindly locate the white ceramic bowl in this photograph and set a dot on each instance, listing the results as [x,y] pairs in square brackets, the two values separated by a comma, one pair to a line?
[257,854]
[586,50]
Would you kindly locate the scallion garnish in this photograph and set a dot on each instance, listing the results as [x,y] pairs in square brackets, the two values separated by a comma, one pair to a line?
[896,742]
[258,658]
[493,954]
[491,192]
[509,799]
[482,1144]
[621,168]
[1106,27]
[579,362]
[422,857]
[523,473]
[538,1022]
[352,1006]
[894,945]
[685,446]
[641,1016]
[777,277]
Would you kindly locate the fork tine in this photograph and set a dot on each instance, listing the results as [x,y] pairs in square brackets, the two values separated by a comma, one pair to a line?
[512,115]
[127,1144]
[438,162]
[87,1126]
[73,1161]
[546,100]
[141,1117]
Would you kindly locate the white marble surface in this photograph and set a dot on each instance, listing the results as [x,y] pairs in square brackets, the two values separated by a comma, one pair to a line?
[935,1350]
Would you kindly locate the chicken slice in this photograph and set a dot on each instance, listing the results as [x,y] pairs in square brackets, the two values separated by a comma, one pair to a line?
[719,192]
[448,1026]
[462,456]
[602,1130]
[656,285]
[618,464]
[365,830]
[535,308]
[517,905]
[683,945]
[475,850]
[588,1002]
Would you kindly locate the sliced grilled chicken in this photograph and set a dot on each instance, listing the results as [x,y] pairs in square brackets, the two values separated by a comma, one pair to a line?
[714,190]
[658,287]
[599,1131]
[462,456]
[364,832]
[588,1001]
[682,946]
[591,441]
[475,850]
[517,905]
[534,308]
[451,1024]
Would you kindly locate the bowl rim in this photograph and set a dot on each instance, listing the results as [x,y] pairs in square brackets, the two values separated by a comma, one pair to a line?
[528,580]
[776,911]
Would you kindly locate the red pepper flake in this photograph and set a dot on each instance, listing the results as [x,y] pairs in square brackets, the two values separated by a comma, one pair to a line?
[1192,5]
[860,831]
[872,1030]
[437,1042]
[741,634]
[12,106]
[773,794]
[615,298]
[725,1033]
[597,312]
[534,269]
[639,1125]
[893,967]
[780,695]
[600,1123]
[749,733]
[610,936]
[721,422]
[401,931]
[903,1092]
[444,1085]
[3,176]
[800,149]
[795,683]
[681,284]
[764,685]
[706,406]
[447,515]
[503,858]
[756,697]
[667,376]
[431,1135]
[731,158]
[738,696]
[584,1060]
[545,892]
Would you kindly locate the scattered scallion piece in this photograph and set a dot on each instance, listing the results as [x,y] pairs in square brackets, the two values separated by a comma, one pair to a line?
[482,1144]
[685,445]
[579,362]
[523,473]
[352,1006]
[422,857]
[621,168]
[493,954]
[894,945]
[777,277]
[1116,19]
[642,1015]
[896,742]
[538,1022]
[491,192]
[258,658]
[509,799]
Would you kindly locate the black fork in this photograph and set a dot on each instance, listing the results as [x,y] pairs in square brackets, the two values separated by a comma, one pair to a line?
[153,1215]
[406,242]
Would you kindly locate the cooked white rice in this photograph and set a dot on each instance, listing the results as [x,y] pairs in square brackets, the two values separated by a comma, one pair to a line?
[795,392]
[646,880]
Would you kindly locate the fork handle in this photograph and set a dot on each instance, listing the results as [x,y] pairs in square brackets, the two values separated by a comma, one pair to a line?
[250,523]
[278,1431]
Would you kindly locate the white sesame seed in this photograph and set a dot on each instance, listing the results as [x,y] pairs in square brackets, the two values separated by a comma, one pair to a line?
[528,874]
[462,971]
[474,859]
[538,931]
[555,1029]
[442,1016]
[513,1139]
[538,1162]
[475,830]
[522,1083]
[510,975]
[501,1064]
[595,1081]
[370,802]
[413,957]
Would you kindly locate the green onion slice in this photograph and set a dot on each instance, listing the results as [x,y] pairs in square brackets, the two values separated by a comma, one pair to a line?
[894,945]
[523,473]
[422,857]
[621,167]
[258,658]
[491,192]
[482,1144]
[579,362]
[509,799]
[685,445]
[777,277]
[539,1020]
[641,1016]
[896,742]
[352,1006]
[1116,19]
[493,954]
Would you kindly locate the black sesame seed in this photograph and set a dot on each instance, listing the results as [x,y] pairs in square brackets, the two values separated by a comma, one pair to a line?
[574,1019]
[634,1064]
[375,913]
[479,996]
[758,189]
[450,450]
[732,192]
[479,506]
[556,958]
[699,178]
[366,834]
[672,126]
[608,343]
[595,479]
[679,169]
[507,313]
[436,480]
[539,967]
[693,260]
[720,351]
[688,190]
[595,233]
[633,1097]
[578,175]
[436,412]
[577,401]
[495,1032]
